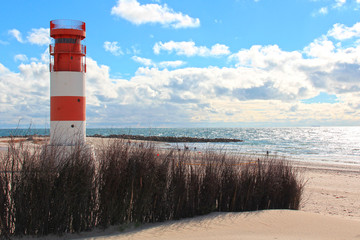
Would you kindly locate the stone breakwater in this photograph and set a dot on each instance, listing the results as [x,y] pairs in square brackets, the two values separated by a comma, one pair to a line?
[139,137]
[166,138]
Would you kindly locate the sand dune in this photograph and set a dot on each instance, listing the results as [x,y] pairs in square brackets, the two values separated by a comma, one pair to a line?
[269,224]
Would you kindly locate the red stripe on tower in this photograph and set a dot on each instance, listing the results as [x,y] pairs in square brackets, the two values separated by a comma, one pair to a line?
[67,83]
[67,108]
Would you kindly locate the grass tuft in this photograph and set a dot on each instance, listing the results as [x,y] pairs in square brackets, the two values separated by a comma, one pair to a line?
[44,191]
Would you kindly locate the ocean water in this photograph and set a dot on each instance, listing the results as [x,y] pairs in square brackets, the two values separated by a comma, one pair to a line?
[314,144]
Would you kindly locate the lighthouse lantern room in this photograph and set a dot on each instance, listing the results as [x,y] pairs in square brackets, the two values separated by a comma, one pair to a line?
[67,83]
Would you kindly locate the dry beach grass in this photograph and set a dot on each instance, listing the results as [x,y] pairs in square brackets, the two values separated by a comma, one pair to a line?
[329,191]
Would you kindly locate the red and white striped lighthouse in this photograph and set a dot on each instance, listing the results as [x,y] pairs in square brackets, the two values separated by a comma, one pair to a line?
[67,83]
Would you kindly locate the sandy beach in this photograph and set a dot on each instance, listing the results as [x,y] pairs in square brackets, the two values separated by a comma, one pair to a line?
[270,224]
[330,210]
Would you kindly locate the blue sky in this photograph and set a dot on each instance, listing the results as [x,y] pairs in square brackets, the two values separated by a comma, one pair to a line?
[157,63]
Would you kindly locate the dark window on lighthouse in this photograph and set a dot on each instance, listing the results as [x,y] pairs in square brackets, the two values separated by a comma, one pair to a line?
[65,40]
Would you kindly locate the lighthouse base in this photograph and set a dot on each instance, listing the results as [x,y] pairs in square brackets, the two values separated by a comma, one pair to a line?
[67,133]
[59,154]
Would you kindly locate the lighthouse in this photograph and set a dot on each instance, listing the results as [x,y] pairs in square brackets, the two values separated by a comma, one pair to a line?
[67,83]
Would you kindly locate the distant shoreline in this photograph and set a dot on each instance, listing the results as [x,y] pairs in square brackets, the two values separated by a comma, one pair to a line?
[322,145]
[148,138]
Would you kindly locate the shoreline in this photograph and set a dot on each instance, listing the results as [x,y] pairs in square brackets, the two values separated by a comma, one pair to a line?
[165,139]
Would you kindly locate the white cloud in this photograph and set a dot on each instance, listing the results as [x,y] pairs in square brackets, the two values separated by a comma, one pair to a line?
[21,58]
[320,66]
[40,36]
[164,64]
[136,13]
[24,95]
[45,56]
[144,61]
[264,57]
[339,3]
[342,32]
[171,64]
[323,11]
[190,49]
[100,87]
[219,49]
[321,48]
[133,50]
[113,48]
[16,34]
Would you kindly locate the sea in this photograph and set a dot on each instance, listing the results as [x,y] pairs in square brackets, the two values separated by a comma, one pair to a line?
[331,145]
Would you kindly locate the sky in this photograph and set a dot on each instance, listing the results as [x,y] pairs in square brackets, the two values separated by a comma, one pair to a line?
[198,63]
